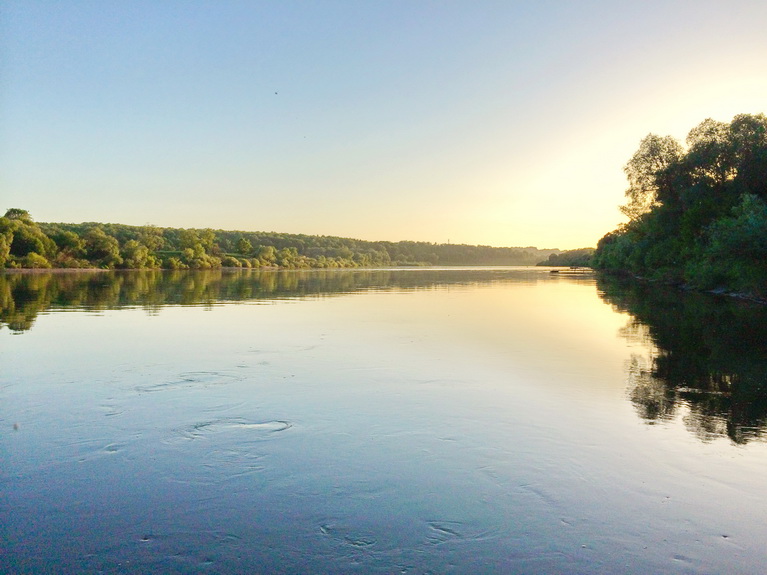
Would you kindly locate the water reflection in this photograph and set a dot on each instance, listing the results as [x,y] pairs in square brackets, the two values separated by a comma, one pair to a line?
[708,364]
[23,296]
[448,421]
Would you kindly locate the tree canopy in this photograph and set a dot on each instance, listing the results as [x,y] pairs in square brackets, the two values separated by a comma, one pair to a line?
[26,243]
[697,213]
[580,257]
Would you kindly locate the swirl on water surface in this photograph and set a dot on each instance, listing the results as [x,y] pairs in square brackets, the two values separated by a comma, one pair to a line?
[346,536]
[258,429]
[191,379]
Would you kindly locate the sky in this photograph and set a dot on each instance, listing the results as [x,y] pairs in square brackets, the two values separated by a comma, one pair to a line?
[501,123]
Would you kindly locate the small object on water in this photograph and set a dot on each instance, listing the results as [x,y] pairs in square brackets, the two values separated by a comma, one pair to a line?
[15,426]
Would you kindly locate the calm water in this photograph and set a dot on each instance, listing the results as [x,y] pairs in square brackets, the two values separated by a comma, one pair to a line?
[413,421]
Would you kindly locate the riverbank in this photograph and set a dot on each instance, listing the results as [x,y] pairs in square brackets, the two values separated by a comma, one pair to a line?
[91,270]
[745,296]
[52,270]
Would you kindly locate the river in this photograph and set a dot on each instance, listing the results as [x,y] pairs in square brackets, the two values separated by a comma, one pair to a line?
[457,420]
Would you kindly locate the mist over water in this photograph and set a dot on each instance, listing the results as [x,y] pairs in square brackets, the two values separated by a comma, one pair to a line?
[378,421]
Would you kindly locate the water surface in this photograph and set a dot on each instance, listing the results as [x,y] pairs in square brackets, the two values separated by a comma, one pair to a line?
[395,421]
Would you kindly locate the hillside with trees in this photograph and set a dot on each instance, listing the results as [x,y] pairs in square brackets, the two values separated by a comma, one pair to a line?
[697,212]
[25,243]
[577,258]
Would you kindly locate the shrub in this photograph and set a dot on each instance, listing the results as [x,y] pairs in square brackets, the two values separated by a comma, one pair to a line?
[35,260]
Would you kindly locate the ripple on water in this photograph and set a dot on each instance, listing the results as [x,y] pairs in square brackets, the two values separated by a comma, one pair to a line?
[255,430]
[440,532]
[96,450]
[443,532]
[191,379]
[347,536]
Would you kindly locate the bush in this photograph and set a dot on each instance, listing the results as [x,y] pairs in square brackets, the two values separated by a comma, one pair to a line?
[734,252]
[35,260]
[173,263]
[231,262]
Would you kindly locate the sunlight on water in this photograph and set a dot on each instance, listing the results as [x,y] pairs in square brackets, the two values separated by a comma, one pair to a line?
[444,421]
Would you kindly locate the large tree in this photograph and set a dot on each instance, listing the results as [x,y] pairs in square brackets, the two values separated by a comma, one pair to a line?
[697,214]
[645,171]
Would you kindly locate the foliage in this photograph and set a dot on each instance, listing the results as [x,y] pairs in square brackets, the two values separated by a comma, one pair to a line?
[136,255]
[18,214]
[117,246]
[102,249]
[34,260]
[644,169]
[697,214]
[734,253]
[572,258]
[21,238]
[6,238]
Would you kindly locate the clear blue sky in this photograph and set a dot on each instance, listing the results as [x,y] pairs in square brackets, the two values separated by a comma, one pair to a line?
[503,123]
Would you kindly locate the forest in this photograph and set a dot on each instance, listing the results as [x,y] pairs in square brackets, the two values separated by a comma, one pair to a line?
[25,243]
[580,257]
[697,212]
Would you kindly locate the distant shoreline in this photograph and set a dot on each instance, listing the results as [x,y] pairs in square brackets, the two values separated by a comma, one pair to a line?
[63,271]
[52,270]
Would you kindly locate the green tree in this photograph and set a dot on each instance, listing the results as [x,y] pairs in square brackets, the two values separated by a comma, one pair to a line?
[26,239]
[70,243]
[35,260]
[748,133]
[709,158]
[18,214]
[697,215]
[101,249]
[579,258]
[287,257]
[231,262]
[152,238]
[267,255]
[645,172]
[208,240]
[189,239]
[244,246]
[734,251]
[6,239]
[136,255]
[24,236]
[5,249]
[71,249]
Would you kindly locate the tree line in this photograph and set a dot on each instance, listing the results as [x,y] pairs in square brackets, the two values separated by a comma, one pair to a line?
[697,212]
[580,257]
[25,243]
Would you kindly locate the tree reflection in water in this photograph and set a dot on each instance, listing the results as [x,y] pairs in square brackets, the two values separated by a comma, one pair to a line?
[23,296]
[708,364]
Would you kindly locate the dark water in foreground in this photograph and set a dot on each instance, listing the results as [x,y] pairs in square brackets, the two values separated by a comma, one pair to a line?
[415,421]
